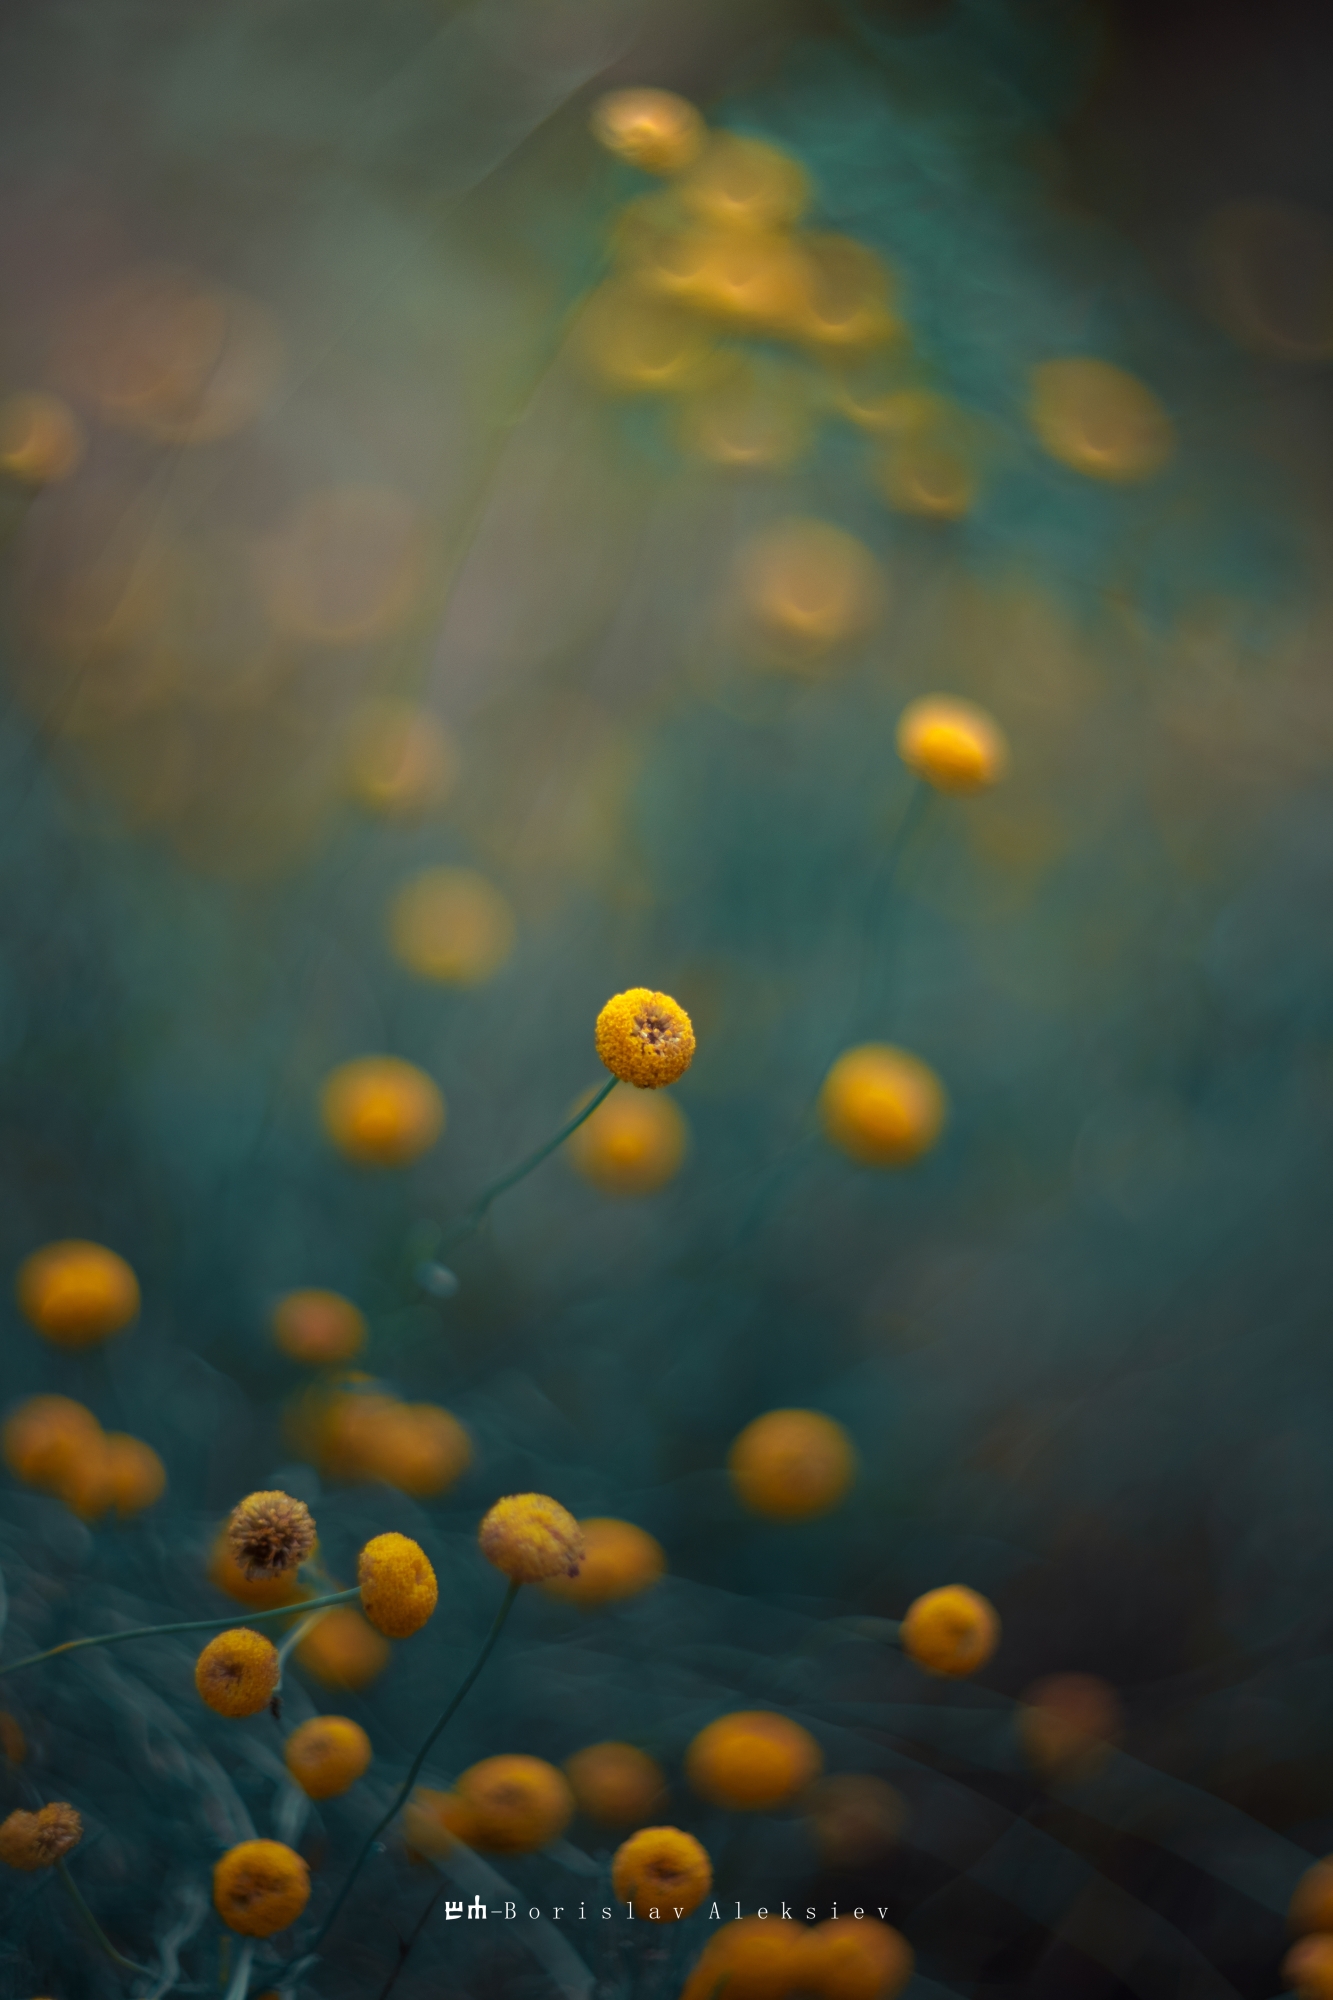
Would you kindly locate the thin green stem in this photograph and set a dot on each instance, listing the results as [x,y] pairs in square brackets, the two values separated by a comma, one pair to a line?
[880,887]
[187,1625]
[476,1215]
[405,1789]
[93,1928]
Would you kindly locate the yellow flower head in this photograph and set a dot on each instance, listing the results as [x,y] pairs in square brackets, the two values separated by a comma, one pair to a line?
[742,183]
[41,439]
[645,1038]
[1307,1969]
[402,762]
[665,1873]
[952,744]
[791,1465]
[807,589]
[238,1672]
[260,1887]
[398,1587]
[1067,1724]
[269,1533]
[651,129]
[1311,1907]
[77,1293]
[318,1327]
[855,1818]
[433,1822]
[513,1805]
[632,1145]
[417,1447]
[381,1111]
[451,925]
[261,1593]
[135,1475]
[343,1650]
[751,1958]
[615,1783]
[882,1106]
[847,1958]
[951,1631]
[327,1755]
[531,1537]
[752,1760]
[48,1438]
[1100,421]
[619,1560]
[30,1840]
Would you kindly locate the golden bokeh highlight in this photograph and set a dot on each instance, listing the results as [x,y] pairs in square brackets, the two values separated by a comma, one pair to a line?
[845,300]
[513,1804]
[750,416]
[326,1755]
[381,1111]
[654,130]
[451,925]
[807,589]
[751,1958]
[746,281]
[931,475]
[401,761]
[318,1327]
[343,1650]
[951,1631]
[855,1817]
[77,1293]
[41,439]
[1311,1906]
[752,1760]
[1099,420]
[739,183]
[633,1144]
[663,1872]
[791,1465]
[58,1446]
[616,1784]
[882,1106]
[620,1560]
[851,1959]
[1307,1969]
[636,344]
[358,1433]
[954,745]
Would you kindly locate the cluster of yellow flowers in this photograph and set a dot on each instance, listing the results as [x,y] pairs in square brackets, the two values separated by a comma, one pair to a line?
[58,1446]
[1308,1966]
[353,1430]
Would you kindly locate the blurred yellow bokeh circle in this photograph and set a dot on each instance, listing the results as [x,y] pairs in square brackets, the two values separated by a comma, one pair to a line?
[1099,420]
[451,925]
[41,439]
[401,760]
[637,344]
[632,1145]
[318,1327]
[77,1293]
[743,183]
[791,1465]
[807,588]
[381,1111]
[882,1106]
[651,129]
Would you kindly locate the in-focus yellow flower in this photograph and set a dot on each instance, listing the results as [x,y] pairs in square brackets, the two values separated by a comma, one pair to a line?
[261,1593]
[343,1649]
[47,1439]
[619,1560]
[881,1105]
[663,1872]
[632,1145]
[752,1760]
[238,1672]
[514,1805]
[77,1293]
[451,925]
[381,1111]
[645,1038]
[12,1740]
[30,1840]
[260,1887]
[1307,1969]
[854,1816]
[531,1537]
[952,744]
[791,1465]
[652,129]
[398,1587]
[1067,1724]
[41,439]
[857,1959]
[1311,1906]
[807,589]
[318,1327]
[741,183]
[951,1631]
[270,1533]
[402,762]
[327,1755]
[135,1476]
[1100,421]
[615,1783]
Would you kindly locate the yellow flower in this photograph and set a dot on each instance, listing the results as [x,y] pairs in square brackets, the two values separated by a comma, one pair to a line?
[402,762]
[645,1038]
[741,183]
[343,1650]
[327,1755]
[48,1438]
[619,1560]
[433,1822]
[237,1673]
[398,1587]
[1311,1906]
[135,1475]
[752,1760]
[791,1465]
[632,1145]
[1307,1969]
[417,1447]
[847,1958]
[807,589]
[261,1593]
[615,1783]
[513,1805]
[751,1958]
[652,129]
[1067,1723]
[318,1327]
[269,1533]
[951,1631]
[260,1887]
[665,1873]
[41,439]
[952,744]
[77,1293]
[1100,421]
[30,1840]
[381,1111]
[451,925]
[882,1106]
[531,1537]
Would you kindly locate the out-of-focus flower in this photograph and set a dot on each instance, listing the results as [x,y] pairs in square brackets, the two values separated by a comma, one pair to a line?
[451,925]
[651,129]
[381,1111]
[237,1673]
[748,415]
[857,1959]
[343,1649]
[662,1872]
[41,439]
[401,761]
[1267,270]
[1311,1906]
[1067,1724]
[30,1840]
[791,1465]
[748,281]
[615,1783]
[77,1293]
[434,1821]
[47,1440]
[327,1754]
[952,1630]
[260,1887]
[845,303]
[134,1474]
[619,1560]
[751,1958]
[1307,1968]
[637,344]
[318,1327]
[743,183]
[270,1533]
[645,1038]
[513,1804]
[752,1760]
[345,568]
[398,1587]
[881,1105]
[806,589]
[632,1145]
[952,744]
[930,475]
[13,1742]
[362,1434]
[855,1817]
[1099,420]
[531,1537]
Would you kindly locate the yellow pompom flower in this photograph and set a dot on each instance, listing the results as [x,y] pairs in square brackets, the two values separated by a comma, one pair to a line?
[318,1327]
[849,1958]
[531,1537]
[260,1887]
[752,1760]
[952,744]
[31,1840]
[513,1805]
[398,1587]
[134,1474]
[791,1465]
[1100,421]
[619,1560]
[343,1650]
[1311,1906]
[742,183]
[47,1439]
[238,1672]
[807,589]
[645,1038]
[615,1783]
[632,1145]
[881,1105]
[327,1755]
[270,1533]
[261,1593]
[951,1631]
[12,1740]
[451,925]
[77,1293]
[41,439]
[1307,1968]
[662,1872]
[381,1111]
[651,129]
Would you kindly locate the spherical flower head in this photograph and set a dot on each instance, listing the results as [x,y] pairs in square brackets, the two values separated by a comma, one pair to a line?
[1099,420]
[270,1533]
[855,1818]
[30,1840]
[752,1760]
[261,1593]
[1307,1969]
[135,1476]
[753,1958]
[1311,1907]
[343,1650]
[651,129]
[77,1293]
[851,1959]
[1067,1723]
[327,1755]
[531,1537]
[645,1038]
[952,744]
[632,1145]
[318,1328]
[791,1465]
[237,1673]
[48,1438]
[951,1631]
[398,1587]
[882,1106]
[260,1887]
[381,1111]
[615,1784]
[619,1560]
[514,1805]
[663,1872]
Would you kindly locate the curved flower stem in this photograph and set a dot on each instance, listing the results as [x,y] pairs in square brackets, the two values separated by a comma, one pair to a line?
[187,1625]
[405,1789]
[476,1215]
[93,1928]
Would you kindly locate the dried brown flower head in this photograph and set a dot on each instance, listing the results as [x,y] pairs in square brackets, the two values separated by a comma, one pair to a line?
[269,1533]
[40,1839]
